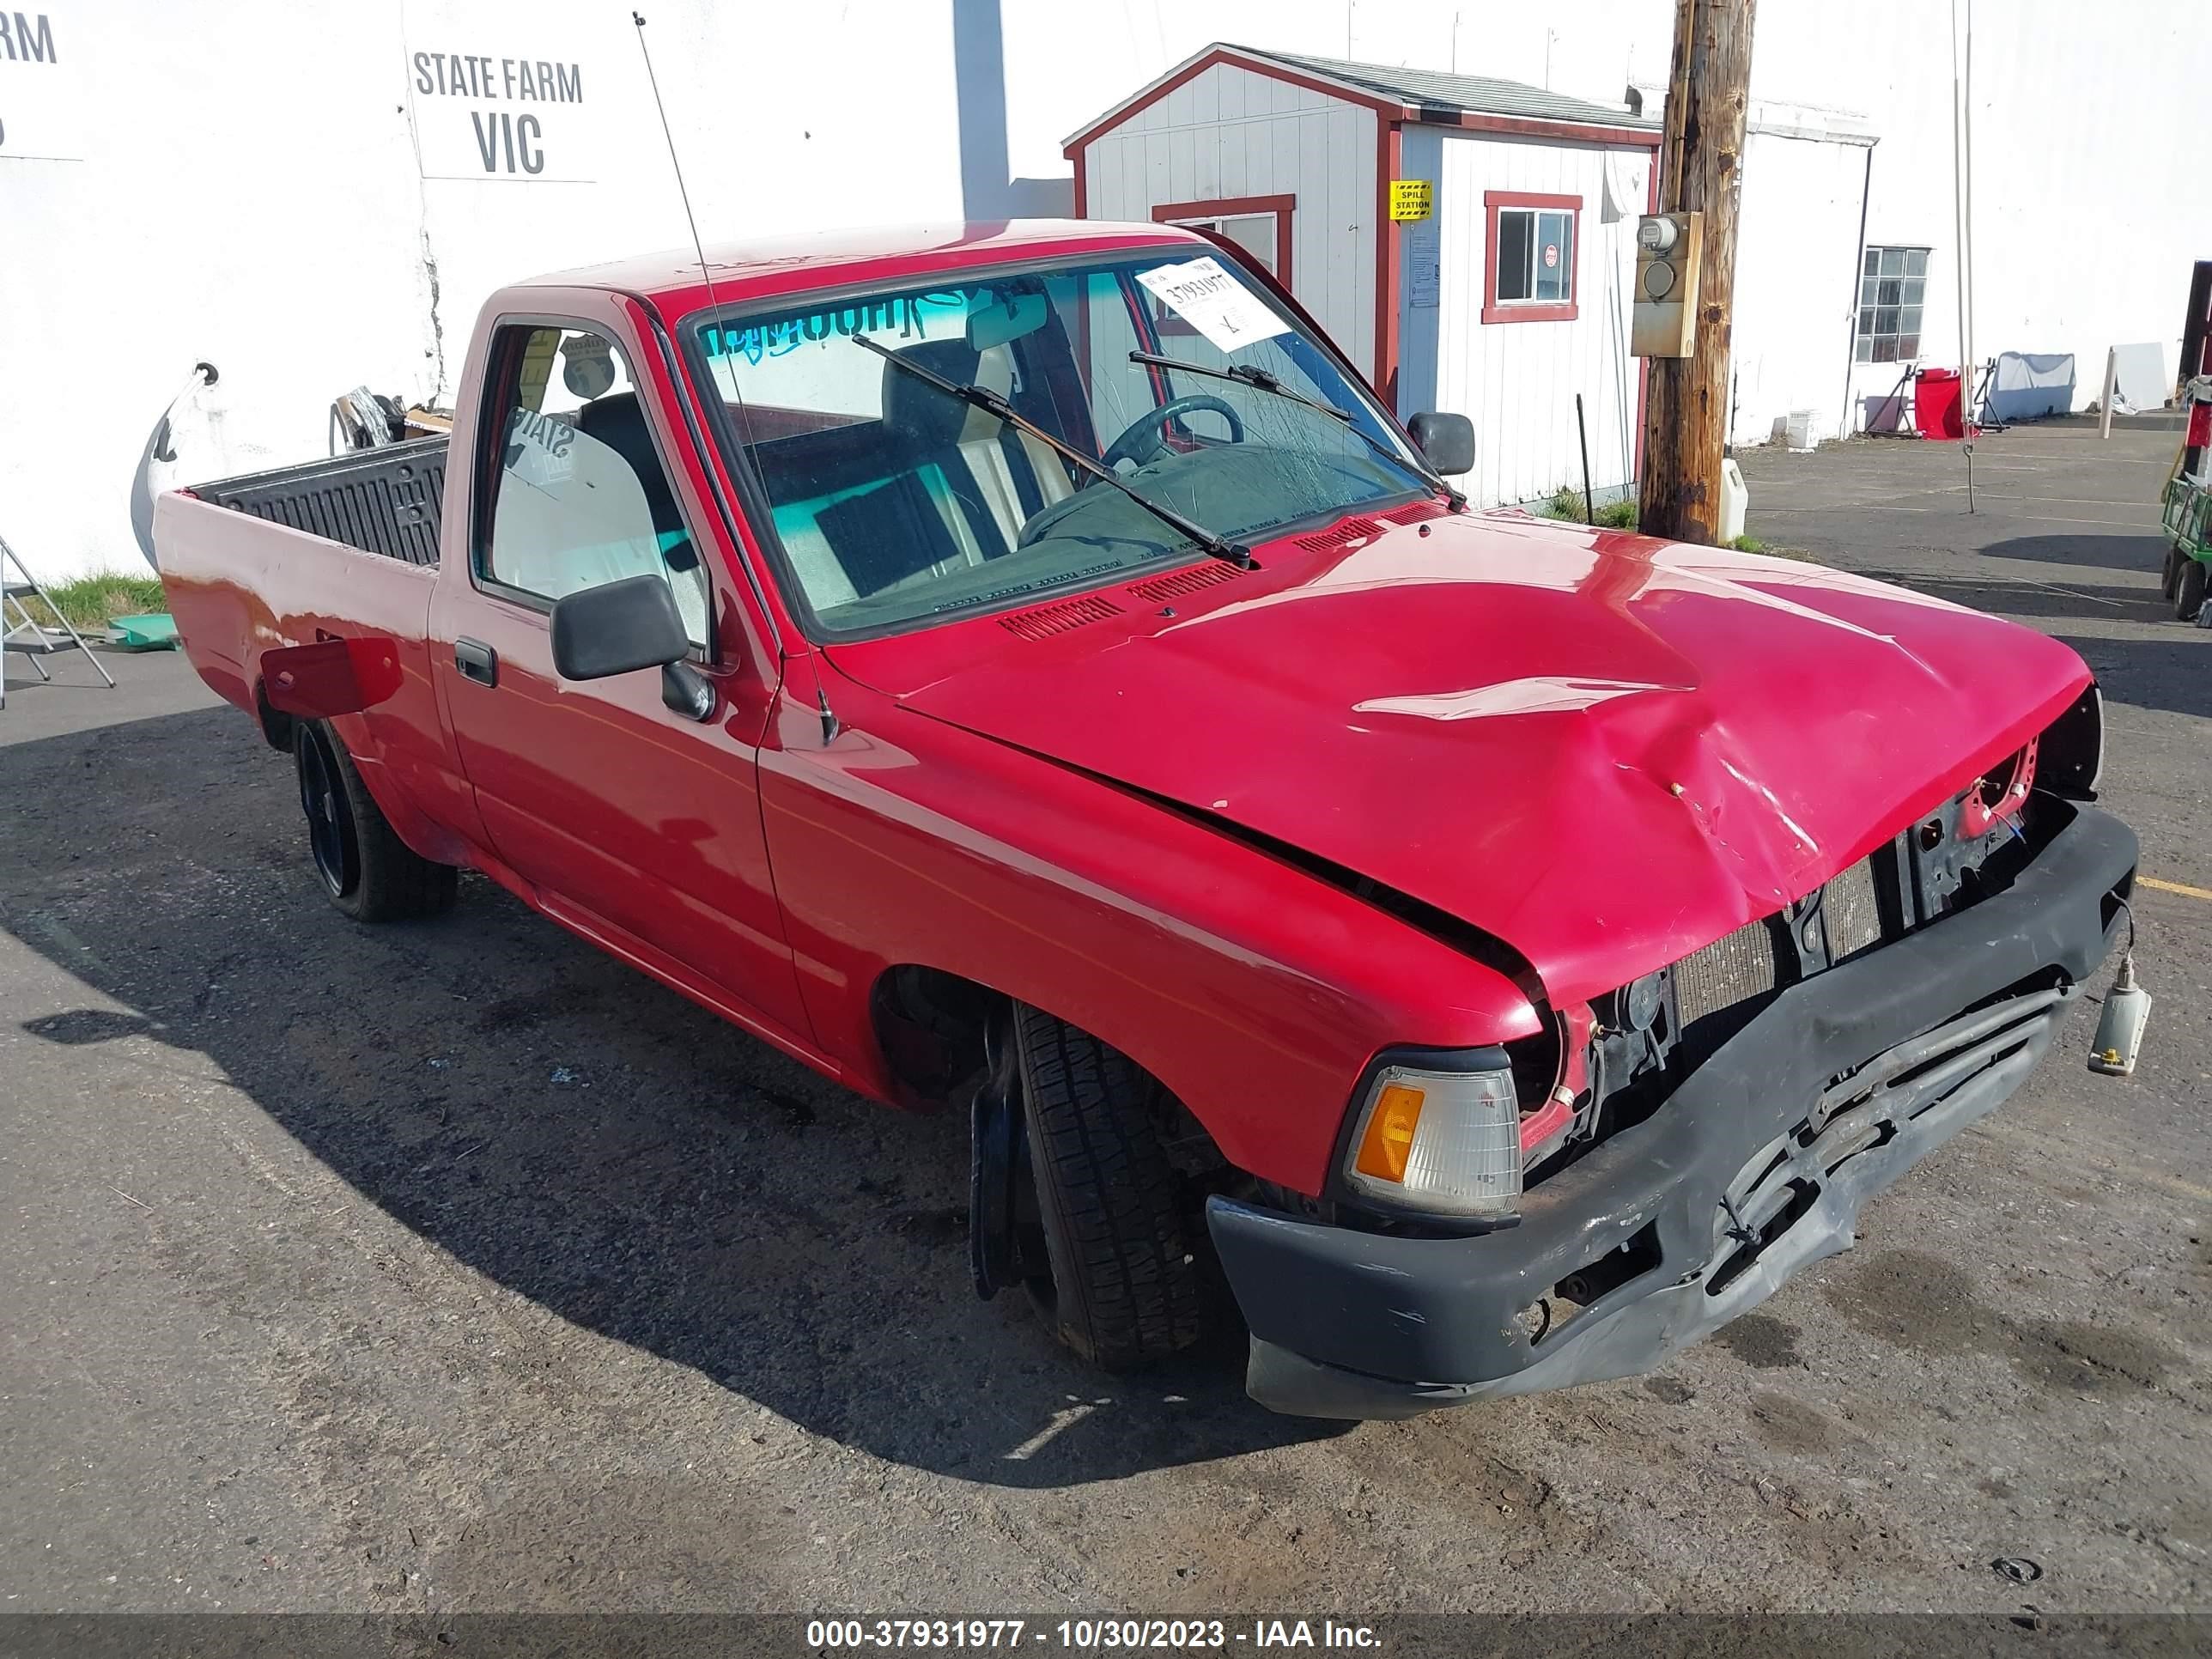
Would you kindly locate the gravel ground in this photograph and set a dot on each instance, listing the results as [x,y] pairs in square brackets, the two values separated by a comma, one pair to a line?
[453,1266]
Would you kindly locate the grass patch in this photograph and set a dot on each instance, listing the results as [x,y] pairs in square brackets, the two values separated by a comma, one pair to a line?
[1752,545]
[90,603]
[1567,504]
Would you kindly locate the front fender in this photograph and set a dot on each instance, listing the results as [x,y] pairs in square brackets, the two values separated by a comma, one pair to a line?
[1253,990]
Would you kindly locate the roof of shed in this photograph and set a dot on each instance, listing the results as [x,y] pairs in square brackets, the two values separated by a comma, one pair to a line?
[1434,89]
[1411,94]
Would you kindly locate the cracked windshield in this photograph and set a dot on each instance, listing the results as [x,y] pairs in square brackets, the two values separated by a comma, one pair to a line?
[930,453]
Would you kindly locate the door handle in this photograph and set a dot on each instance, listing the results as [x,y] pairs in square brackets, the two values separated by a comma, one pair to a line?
[476,661]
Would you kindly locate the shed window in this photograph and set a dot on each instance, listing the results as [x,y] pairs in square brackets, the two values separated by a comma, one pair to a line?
[1893,286]
[1260,225]
[1532,258]
[1253,232]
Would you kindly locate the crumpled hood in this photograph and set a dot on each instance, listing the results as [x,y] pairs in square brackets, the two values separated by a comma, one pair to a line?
[1605,750]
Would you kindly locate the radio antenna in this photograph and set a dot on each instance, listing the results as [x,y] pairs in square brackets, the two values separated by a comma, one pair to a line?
[721,326]
[697,246]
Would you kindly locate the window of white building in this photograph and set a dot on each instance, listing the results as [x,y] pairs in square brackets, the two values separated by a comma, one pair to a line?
[1893,286]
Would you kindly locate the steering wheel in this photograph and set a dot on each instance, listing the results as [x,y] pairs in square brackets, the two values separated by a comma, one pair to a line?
[1145,436]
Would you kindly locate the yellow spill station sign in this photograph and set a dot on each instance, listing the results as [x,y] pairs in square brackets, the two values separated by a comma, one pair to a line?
[1411,199]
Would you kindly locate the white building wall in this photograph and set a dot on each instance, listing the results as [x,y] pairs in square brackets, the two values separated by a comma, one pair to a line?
[1796,283]
[240,186]
[2088,186]
[1517,381]
[2088,170]
[1227,133]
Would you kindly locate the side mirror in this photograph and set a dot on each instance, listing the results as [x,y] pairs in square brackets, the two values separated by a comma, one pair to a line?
[1447,441]
[617,627]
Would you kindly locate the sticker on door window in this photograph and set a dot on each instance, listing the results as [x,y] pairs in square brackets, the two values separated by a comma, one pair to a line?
[538,449]
[1213,302]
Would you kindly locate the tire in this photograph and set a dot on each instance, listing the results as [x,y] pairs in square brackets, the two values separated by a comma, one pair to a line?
[1128,1284]
[2170,577]
[2188,592]
[366,871]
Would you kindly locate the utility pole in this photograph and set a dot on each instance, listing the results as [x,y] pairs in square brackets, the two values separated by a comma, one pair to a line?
[1701,171]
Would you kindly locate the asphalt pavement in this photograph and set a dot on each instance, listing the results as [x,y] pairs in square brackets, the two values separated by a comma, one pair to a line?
[455,1265]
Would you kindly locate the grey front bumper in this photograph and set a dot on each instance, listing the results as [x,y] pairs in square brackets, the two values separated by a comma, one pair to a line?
[1758,1165]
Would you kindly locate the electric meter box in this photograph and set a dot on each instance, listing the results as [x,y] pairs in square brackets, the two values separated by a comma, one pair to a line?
[1663,320]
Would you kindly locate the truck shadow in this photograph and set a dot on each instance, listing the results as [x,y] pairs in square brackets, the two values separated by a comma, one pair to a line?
[2173,671]
[2144,551]
[583,1137]
[2040,601]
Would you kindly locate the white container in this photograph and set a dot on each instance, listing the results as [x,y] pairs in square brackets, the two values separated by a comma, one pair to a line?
[1797,429]
[1735,502]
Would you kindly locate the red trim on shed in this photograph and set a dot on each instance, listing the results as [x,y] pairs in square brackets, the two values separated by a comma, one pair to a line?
[1389,157]
[1521,311]
[1198,66]
[1225,207]
[1531,126]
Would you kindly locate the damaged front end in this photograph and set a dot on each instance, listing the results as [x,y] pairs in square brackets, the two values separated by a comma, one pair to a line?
[1698,1135]
[1621,1056]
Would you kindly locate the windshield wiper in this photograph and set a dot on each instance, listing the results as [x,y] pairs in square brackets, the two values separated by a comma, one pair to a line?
[992,404]
[1252,376]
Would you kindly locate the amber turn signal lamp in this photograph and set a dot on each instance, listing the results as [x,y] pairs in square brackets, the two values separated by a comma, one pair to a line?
[1439,1140]
[1388,1145]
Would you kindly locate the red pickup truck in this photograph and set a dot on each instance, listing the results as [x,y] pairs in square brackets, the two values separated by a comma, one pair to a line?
[1026,671]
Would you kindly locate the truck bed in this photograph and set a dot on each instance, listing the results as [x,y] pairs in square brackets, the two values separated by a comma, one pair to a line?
[242,582]
[383,501]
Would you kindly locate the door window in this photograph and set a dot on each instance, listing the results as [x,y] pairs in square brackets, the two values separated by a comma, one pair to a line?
[580,497]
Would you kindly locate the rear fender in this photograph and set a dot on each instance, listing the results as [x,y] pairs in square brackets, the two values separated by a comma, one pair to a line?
[338,679]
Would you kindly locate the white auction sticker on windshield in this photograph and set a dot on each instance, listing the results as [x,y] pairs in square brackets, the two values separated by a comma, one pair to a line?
[1213,302]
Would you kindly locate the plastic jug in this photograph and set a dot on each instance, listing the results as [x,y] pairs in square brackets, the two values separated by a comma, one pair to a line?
[1735,502]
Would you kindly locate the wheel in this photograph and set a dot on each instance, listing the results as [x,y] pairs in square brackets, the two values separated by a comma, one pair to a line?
[370,873]
[2189,591]
[1127,1284]
[2170,577]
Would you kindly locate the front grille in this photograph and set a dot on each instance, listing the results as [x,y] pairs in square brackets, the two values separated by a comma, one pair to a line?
[1726,972]
[1748,963]
[1854,914]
